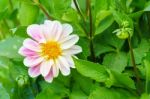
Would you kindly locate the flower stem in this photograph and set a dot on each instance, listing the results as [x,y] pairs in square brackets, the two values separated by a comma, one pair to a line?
[133,62]
[43,9]
[81,15]
[78,9]
[11,4]
[91,32]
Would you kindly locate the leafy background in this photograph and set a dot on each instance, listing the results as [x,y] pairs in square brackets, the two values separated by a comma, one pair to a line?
[107,75]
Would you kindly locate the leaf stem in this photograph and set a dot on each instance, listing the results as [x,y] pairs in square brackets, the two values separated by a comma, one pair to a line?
[81,15]
[78,9]
[133,61]
[44,10]
[91,32]
[11,4]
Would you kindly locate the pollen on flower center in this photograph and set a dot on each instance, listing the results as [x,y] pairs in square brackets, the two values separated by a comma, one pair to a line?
[51,50]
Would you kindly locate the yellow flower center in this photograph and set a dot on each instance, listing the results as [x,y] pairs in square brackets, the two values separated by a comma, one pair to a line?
[51,50]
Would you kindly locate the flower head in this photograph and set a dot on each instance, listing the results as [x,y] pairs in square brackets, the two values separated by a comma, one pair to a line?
[50,49]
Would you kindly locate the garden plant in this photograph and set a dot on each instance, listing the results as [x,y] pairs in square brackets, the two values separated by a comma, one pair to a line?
[74,49]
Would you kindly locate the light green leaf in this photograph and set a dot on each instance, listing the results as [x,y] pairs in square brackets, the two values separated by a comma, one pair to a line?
[26,15]
[147,7]
[145,96]
[9,47]
[111,93]
[20,31]
[77,94]
[119,80]
[92,70]
[147,70]
[140,51]
[3,93]
[116,61]
[70,16]
[103,20]
[48,93]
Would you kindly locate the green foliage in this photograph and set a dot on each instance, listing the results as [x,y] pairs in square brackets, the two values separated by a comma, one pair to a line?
[105,93]
[25,16]
[116,61]
[106,74]
[97,71]
[3,93]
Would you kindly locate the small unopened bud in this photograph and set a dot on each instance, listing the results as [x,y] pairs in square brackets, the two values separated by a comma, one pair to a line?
[22,80]
[122,35]
[124,32]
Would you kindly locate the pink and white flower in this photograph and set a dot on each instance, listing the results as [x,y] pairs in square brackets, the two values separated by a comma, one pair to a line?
[50,50]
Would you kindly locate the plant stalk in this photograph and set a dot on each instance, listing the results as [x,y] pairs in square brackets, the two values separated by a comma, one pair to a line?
[11,4]
[44,11]
[91,32]
[81,15]
[133,61]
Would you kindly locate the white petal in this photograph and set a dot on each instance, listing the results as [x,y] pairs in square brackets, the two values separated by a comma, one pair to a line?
[49,77]
[35,31]
[52,30]
[32,61]
[34,71]
[63,66]
[69,41]
[75,49]
[31,44]
[55,70]
[70,61]
[67,29]
[45,67]
[57,30]
[26,52]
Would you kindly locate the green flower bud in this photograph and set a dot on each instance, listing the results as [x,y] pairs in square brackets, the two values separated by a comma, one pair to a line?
[122,35]
[22,80]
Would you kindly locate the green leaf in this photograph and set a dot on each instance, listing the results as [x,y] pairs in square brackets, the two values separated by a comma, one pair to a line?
[3,4]
[120,17]
[92,70]
[3,93]
[9,47]
[3,14]
[147,7]
[140,51]
[77,94]
[116,61]
[79,83]
[70,16]
[103,20]
[119,80]
[145,96]
[20,31]
[26,15]
[101,5]
[57,8]
[84,43]
[101,48]
[147,70]
[48,93]
[109,39]
[111,93]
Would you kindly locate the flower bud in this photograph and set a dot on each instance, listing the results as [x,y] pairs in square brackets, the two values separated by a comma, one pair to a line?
[122,35]
[22,80]
[124,32]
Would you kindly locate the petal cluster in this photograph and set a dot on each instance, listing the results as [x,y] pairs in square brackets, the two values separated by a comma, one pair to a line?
[50,49]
